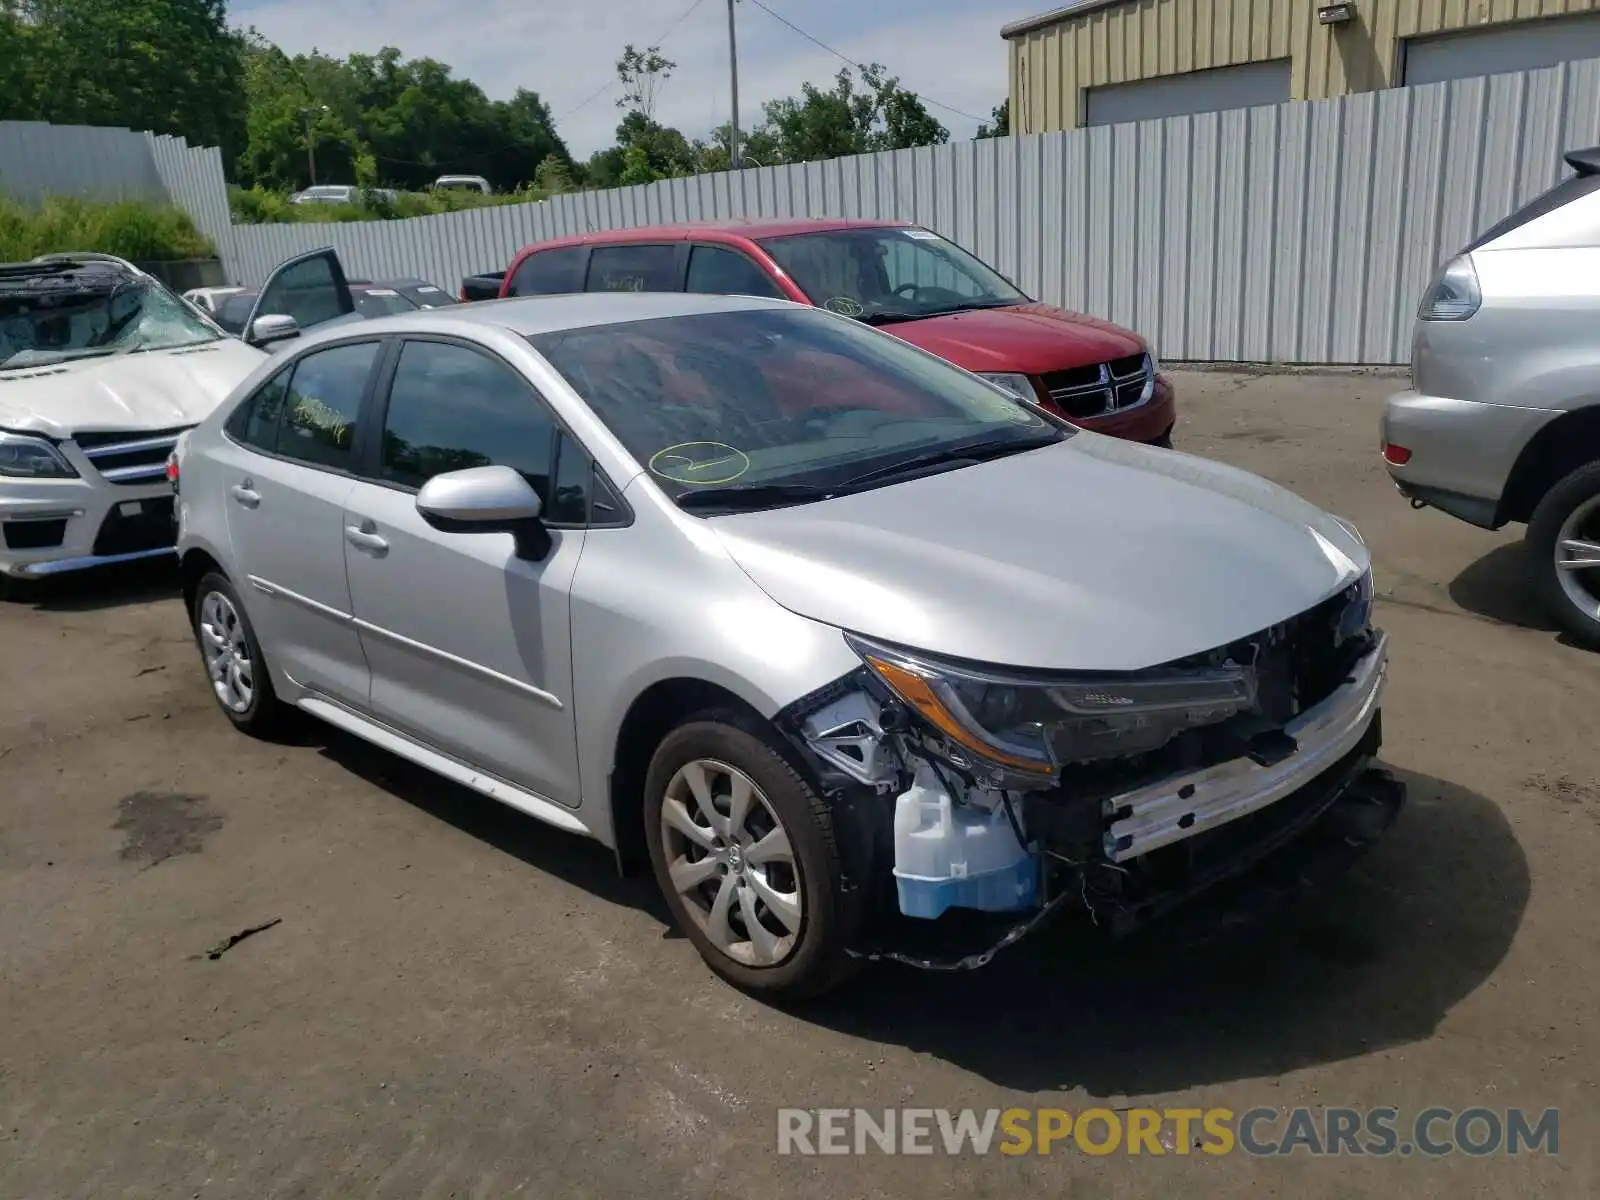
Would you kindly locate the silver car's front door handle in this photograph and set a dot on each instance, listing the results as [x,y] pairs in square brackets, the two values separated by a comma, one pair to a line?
[245,494]
[365,539]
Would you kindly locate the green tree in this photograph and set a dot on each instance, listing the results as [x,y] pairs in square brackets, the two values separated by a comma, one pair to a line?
[412,119]
[642,74]
[169,66]
[844,120]
[999,124]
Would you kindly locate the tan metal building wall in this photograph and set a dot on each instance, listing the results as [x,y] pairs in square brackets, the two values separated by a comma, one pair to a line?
[1052,63]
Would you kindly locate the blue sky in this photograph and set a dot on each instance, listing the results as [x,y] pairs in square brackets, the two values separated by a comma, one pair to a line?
[947,50]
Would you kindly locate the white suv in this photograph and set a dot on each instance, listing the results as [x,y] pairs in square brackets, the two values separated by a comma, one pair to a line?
[102,369]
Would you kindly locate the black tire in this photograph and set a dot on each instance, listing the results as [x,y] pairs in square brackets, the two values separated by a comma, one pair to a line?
[1544,530]
[1164,442]
[17,591]
[830,915]
[265,715]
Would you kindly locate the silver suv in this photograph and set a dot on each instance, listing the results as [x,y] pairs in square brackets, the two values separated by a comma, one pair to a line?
[836,635]
[1504,421]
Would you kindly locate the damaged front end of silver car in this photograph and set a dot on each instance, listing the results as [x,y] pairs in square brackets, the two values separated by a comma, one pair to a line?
[960,789]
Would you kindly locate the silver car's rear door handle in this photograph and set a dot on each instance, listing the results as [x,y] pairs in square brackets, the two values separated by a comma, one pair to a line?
[245,494]
[363,539]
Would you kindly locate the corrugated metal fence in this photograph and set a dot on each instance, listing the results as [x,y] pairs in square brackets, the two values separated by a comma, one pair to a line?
[39,160]
[1303,232]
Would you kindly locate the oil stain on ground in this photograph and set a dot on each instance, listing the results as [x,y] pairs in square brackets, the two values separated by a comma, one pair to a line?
[161,825]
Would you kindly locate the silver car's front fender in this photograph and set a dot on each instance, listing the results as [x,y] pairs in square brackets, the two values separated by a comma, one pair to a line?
[661,601]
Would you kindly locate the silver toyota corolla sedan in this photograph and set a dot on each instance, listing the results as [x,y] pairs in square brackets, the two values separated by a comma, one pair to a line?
[841,639]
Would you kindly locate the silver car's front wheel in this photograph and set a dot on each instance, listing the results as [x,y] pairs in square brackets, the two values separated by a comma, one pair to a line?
[226,652]
[745,851]
[730,859]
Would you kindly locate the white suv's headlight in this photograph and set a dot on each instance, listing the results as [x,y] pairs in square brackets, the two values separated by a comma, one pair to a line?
[1454,294]
[1019,386]
[1035,726]
[24,457]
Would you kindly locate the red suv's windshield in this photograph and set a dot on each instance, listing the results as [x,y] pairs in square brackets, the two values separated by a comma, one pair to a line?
[887,274]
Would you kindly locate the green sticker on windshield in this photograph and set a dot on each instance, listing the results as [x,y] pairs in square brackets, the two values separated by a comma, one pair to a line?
[700,463]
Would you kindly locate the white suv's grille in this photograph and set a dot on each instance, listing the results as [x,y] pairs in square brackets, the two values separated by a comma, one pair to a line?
[128,458]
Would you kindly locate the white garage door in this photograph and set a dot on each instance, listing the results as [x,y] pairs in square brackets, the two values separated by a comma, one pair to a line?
[1199,91]
[1524,47]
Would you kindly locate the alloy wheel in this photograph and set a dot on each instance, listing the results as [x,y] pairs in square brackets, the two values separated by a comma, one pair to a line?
[227,652]
[1578,557]
[730,859]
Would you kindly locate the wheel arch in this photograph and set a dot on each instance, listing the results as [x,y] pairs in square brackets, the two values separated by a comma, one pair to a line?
[194,566]
[1558,449]
[654,713]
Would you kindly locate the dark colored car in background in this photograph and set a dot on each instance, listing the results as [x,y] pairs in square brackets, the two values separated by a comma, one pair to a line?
[380,299]
[906,280]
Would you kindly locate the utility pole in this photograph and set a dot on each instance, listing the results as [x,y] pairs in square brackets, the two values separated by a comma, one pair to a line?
[733,77]
[311,146]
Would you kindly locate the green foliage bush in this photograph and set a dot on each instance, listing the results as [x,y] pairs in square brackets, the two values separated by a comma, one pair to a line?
[138,232]
[258,206]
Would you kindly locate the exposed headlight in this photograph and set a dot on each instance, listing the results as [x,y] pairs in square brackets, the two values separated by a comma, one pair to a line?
[1454,294]
[1019,386]
[1037,725]
[23,457]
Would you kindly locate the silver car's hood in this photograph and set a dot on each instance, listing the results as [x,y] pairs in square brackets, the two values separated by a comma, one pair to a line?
[1093,554]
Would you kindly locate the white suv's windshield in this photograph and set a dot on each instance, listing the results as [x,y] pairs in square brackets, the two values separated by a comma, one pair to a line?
[761,407]
[884,274]
[59,311]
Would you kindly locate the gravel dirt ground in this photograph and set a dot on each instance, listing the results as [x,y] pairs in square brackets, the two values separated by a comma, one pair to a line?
[458,1001]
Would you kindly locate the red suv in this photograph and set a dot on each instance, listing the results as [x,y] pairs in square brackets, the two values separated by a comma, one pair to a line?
[899,277]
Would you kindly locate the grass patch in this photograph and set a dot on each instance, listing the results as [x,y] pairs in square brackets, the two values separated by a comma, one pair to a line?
[128,229]
[256,206]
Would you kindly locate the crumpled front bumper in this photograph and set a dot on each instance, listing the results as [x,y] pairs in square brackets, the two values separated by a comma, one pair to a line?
[1185,806]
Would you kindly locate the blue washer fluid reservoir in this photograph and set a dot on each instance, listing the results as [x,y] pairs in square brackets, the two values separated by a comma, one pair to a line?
[949,855]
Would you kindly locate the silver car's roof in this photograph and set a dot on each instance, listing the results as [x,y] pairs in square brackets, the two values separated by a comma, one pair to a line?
[525,315]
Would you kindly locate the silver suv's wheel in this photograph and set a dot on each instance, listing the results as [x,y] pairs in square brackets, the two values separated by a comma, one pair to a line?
[1564,539]
[743,848]
[234,664]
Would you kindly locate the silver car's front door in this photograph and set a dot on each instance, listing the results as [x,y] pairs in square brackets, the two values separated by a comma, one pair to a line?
[469,646]
[285,485]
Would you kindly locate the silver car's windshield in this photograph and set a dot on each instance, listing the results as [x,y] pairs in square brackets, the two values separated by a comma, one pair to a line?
[66,314]
[794,398]
[886,274]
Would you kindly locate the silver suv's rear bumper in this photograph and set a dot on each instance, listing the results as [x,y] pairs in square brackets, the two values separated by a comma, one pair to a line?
[1186,805]
[1461,451]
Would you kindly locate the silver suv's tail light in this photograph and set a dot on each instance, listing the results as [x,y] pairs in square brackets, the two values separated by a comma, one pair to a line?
[1454,293]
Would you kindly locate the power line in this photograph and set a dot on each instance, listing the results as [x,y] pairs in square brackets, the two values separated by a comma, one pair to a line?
[783,20]
[610,83]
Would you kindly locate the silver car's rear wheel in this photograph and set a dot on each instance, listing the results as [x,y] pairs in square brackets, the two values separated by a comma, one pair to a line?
[1577,556]
[235,665]
[226,652]
[730,859]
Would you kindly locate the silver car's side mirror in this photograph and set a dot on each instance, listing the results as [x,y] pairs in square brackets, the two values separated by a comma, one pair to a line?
[486,500]
[276,327]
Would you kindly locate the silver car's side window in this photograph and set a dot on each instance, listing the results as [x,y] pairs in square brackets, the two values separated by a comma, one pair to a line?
[451,407]
[308,411]
[324,404]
